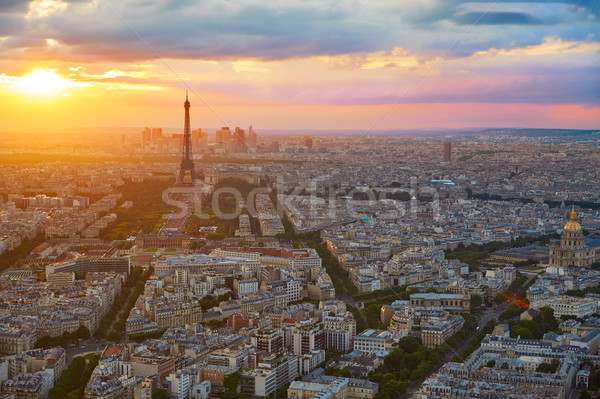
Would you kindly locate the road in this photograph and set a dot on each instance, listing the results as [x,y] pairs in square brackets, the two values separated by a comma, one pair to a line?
[347,298]
[88,347]
[482,320]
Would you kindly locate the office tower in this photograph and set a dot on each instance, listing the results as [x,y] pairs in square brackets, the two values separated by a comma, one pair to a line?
[199,139]
[252,138]
[177,140]
[223,135]
[308,143]
[156,135]
[187,163]
[146,136]
[240,140]
[447,150]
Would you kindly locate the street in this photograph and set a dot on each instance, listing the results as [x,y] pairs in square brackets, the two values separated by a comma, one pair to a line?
[87,348]
[482,320]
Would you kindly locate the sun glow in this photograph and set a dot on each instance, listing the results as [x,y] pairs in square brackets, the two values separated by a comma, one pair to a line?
[43,83]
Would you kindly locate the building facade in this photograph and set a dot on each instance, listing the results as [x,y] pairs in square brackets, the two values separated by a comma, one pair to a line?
[572,250]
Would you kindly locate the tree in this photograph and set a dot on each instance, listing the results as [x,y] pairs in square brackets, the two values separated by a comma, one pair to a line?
[476,302]
[231,381]
[332,371]
[282,392]
[208,302]
[387,377]
[162,393]
[491,363]
[114,336]
[372,313]
[548,367]
[409,344]
[392,389]
[504,366]
[547,316]
[82,333]
[73,380]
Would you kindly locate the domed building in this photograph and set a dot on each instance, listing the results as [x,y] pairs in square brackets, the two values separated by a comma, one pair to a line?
[572,250]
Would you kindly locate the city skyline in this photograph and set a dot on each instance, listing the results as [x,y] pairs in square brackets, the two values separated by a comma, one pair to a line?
[300,65]
[360,199]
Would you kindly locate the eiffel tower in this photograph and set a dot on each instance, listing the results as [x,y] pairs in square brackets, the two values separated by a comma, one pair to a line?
[187,163]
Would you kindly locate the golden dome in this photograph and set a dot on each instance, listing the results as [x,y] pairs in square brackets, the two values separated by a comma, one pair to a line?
[572,224]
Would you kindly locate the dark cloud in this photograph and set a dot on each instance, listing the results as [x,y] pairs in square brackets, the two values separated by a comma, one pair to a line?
[496,18]
[13,6]
[9,25]
[217,29]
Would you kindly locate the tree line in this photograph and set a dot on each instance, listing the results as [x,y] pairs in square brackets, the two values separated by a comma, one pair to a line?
[125,300]
[72,382]
[147,211]
[47,342]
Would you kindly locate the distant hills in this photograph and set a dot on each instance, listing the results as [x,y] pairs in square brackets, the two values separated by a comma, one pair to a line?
[523,132]
[542,132]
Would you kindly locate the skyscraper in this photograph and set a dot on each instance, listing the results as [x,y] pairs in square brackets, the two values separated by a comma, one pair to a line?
[187,163]
[447,149]
[240,140]
[223,135]
[252,138]
[199,139]
[156,135]
[308,143]
[146,136]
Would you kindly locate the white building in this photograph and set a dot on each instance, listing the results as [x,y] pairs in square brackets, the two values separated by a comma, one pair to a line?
[293,290]
[181,382]
[245,287]
[340,330]
[258,382]
[200,390]
[310,361]
[568,306]
[373,340]
[307,335]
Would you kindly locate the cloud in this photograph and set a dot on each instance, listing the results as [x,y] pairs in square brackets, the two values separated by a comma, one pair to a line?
[288,29]
[13,5]
[320,51]
[9,26]
[496,18]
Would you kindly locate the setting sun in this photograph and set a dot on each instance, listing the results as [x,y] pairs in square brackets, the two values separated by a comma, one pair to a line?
[42,83]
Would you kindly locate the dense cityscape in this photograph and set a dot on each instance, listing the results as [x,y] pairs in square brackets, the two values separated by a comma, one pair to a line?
[461,265]
[299,199]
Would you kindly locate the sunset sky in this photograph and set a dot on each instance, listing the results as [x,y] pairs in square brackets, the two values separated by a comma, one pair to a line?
[299,64]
